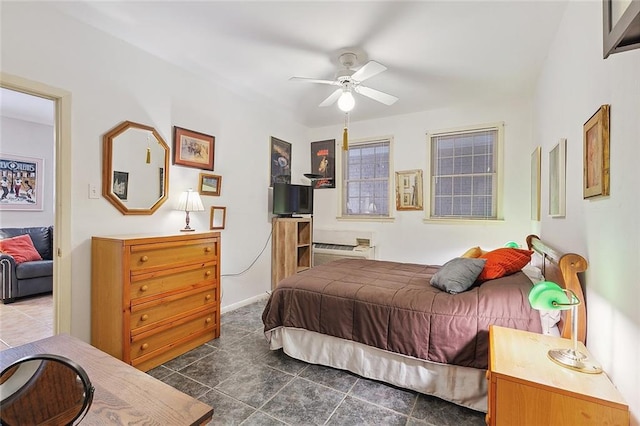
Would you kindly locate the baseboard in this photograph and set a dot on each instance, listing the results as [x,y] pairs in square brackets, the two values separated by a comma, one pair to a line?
[245,302]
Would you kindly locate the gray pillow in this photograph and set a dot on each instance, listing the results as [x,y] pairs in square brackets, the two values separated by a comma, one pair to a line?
[458,274]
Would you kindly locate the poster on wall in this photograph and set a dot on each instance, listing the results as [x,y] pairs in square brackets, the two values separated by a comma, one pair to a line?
[21,183]
[323,161]
[280,161]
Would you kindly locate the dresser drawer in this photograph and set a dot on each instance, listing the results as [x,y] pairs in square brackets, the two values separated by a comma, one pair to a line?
[146,343]
[172,280]
[149,313]
[147,256]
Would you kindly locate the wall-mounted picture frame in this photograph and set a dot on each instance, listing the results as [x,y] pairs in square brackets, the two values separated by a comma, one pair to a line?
[280,161]
[557,179]
[536,162]
[193,149]
[596,154]
[218,217]
[409,195]
[210,184]
[21,181]
[121,185]
[323,163]
[620,24]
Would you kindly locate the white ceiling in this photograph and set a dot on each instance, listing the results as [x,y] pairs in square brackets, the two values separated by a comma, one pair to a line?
[438,53]
[25,107]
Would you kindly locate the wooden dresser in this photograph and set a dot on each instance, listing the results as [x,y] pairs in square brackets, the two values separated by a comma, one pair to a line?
[154,297]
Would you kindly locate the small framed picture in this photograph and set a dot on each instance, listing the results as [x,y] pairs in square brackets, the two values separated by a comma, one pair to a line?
[193,149]
[218,217]
[209,184]
[557,179]
[596,154]
[409,190]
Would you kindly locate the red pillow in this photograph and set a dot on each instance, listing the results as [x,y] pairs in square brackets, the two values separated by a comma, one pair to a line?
[20,248]
[503,261]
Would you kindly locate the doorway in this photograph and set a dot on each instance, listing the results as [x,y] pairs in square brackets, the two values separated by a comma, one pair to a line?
[61,198]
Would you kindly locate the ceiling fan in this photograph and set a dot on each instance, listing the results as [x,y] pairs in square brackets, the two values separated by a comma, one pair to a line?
[351,81]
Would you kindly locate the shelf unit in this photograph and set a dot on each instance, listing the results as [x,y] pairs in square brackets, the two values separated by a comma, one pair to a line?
[291,248]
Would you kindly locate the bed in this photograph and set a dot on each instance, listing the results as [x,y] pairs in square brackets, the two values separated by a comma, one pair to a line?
[384,321]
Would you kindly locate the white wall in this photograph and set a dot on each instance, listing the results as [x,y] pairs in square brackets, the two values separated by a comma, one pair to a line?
[410,239]
[574,83]
[110,81]
[28,139]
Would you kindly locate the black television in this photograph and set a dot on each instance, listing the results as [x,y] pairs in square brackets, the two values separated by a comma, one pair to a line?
[289,199]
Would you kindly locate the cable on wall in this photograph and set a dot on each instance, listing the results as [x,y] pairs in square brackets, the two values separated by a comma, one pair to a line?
[254,260]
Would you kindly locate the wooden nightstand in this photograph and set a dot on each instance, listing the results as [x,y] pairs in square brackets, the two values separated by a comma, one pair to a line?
[527,388]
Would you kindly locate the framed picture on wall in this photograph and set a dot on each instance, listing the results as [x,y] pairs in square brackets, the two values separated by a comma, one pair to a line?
[557,179]
[193,149]
[209,184]
[596,154]
[21,183]
[409,190]
[536,157]
[620,24]
[323,163]
[280,161]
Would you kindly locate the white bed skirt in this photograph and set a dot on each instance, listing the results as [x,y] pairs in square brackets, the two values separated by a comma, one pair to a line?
[461,385]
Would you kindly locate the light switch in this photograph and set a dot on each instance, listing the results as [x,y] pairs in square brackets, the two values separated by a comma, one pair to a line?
[93,191]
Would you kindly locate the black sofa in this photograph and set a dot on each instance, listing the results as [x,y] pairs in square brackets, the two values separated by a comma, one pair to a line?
[27,278]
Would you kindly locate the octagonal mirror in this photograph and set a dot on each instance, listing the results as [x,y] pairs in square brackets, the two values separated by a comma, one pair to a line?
[135,169]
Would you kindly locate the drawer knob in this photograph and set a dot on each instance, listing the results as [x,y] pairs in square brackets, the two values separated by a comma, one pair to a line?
[207,297]
[207,249]
[144,259]
[207,273]
[487,374]
[144,346]
[144,288]
[144,317]
[208,320]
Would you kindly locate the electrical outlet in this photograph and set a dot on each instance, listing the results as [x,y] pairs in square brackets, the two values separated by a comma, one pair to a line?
[93,191]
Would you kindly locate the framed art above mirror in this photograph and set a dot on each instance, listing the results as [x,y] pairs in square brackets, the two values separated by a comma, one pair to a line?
[135,168]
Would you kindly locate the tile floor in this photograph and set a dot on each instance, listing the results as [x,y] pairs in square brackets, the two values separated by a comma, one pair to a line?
[26,320]
[248,384]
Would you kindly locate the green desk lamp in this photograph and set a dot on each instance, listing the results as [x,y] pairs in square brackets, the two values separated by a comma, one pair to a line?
[550,296]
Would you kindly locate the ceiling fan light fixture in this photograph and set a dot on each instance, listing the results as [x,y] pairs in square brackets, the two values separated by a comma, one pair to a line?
[346,101]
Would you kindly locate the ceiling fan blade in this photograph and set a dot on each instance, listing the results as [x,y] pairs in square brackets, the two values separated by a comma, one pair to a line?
[376,95]
[368,70]
[313,80]
[332,98]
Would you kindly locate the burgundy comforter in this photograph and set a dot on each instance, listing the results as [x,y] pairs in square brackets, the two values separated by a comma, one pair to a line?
[392,306]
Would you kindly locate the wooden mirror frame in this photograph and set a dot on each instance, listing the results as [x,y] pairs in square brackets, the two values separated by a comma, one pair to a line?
[107,169]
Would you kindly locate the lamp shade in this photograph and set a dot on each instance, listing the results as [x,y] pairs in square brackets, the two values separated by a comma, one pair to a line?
[190,202]
[548,295]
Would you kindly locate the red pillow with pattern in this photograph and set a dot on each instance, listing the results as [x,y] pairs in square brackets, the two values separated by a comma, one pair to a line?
[503,261]
[20,248]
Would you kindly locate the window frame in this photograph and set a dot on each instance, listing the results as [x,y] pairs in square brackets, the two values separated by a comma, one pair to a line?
[341,187]
[499,194]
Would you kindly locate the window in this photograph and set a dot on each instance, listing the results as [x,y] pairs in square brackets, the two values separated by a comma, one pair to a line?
[464,173]
[365,183]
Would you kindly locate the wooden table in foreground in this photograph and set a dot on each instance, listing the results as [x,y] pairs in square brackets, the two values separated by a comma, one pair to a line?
[123,395]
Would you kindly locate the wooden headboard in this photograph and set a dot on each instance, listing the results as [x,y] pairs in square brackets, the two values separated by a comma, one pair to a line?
[563,269]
